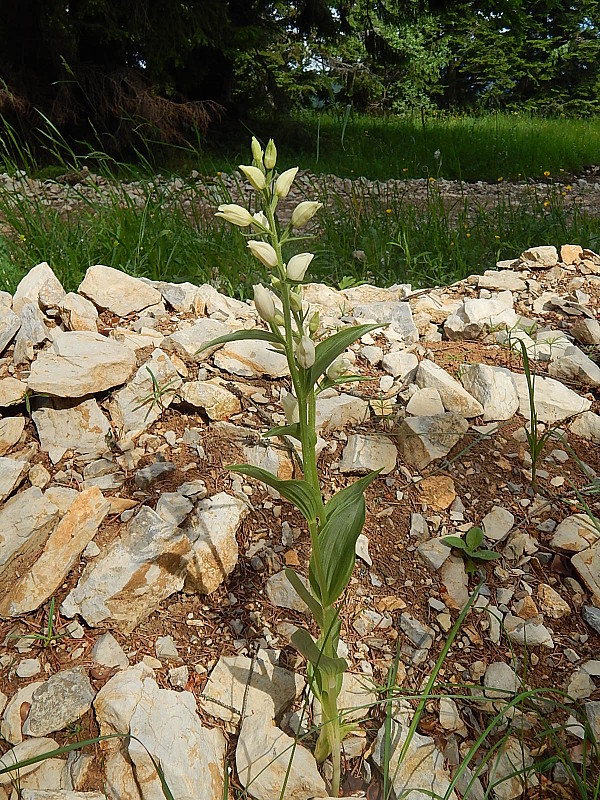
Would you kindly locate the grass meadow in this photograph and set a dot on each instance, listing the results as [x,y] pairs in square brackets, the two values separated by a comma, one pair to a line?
[396,240]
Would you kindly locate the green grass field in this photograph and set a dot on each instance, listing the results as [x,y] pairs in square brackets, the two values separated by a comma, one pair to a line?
[397,241]
[471,148]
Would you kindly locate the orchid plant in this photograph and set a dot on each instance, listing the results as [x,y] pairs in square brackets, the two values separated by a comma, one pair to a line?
[315,363]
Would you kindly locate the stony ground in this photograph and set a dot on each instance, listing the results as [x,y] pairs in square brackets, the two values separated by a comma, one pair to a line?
[76,190]
[162,572]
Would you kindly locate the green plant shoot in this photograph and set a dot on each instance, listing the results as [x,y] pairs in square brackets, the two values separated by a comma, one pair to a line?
[469,548]
[315,363]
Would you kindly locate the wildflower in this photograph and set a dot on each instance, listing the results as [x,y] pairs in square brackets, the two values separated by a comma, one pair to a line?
[388,211]
[264,252]
[468,235]
[560,169]
[431,180]
[546,203]
[290,408]
[219,174]
[304,212]
[297,266]
[255,176]
[270,154]
[260,221]
[546,173]
[338,368]
[496,236]
[568,187]
[404,169]
[284,182]
[437,155]
[257,152]
[237,215]
[264,302]
[500,179]
[305,352]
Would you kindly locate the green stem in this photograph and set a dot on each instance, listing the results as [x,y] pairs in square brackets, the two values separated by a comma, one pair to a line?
[306,398]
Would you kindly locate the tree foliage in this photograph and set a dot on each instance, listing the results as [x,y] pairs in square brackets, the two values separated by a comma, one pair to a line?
[171,66]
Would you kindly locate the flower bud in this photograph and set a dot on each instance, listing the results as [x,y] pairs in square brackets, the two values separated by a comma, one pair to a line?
[264,302]
[257,153]
[304,212]
[338,368]
[305,352]
[279,321]
[297,266]
[296,299]
[313,323]
[270,155]
[260,221]
[237,215]
[255,176]
[290,408]
[264,252]
[283,184]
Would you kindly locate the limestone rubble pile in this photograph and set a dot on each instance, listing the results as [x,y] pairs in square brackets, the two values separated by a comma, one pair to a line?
[168,570]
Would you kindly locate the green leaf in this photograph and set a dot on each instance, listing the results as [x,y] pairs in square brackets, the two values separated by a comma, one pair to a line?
[328,350]
[474,538]
[337,543]
[256,334]
[284,430]
[305,644]
[454,541]
[300,493]
[348,494]
[308,598]
[486,555]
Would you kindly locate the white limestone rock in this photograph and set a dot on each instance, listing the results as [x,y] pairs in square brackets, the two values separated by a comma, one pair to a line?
[116,291]
[211,529]
[424,439]
[135,407]
[587,564]
[262,757]
[218,402]
[425,403]
[339,410]
[11,429]
[9,325]
[587,426]
[72,534]
[454,397]
[574,365]
[575,533]
[143,566]
[542,257]
[77,313]
[493,387]
[421,773]
[12,472]
[400,364]
[251,359]
[28,291]
[26,521]
[367,452]
[71,425]
[475,318]
[165,727]
[553,400]
[80,363]
[188,339]
[265,686]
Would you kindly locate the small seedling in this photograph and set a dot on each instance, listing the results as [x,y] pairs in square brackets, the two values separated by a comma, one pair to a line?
[155,397]
[536,439]
[469,548]
[47,638]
